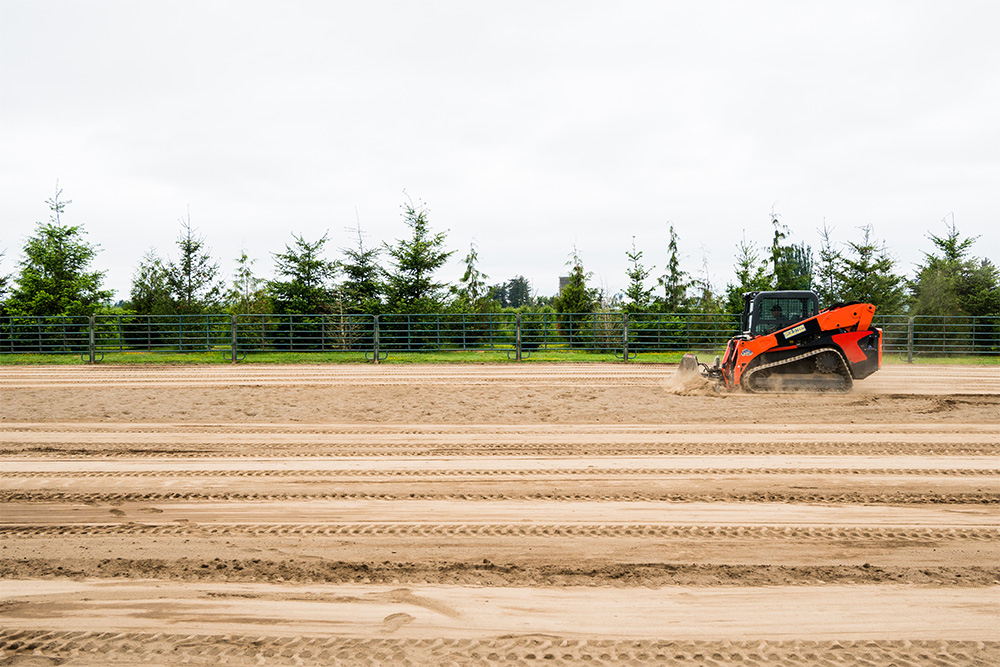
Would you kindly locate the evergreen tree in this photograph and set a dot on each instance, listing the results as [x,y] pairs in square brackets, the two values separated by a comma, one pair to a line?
[979,290]
[361,291]
[674,282]
[780,233]
[54,276]
[519,292]
[193,278]
[637,295]
[4,286]
[575,296]
[498,294]
[515,293]
[575,301]
[867,275]
[795,268]
[307,287]
[791,264]
[247,294]
[150,293]
[410,286]
[950,282]
[471,293]
[751,275]
[706,301]
[827,287]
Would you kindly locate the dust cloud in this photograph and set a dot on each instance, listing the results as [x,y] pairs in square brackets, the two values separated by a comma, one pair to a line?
[687,381]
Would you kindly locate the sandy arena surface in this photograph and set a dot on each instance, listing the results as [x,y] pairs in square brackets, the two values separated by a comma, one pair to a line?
[495,515]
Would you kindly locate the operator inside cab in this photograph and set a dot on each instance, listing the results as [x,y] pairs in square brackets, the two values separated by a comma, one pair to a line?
[778,317]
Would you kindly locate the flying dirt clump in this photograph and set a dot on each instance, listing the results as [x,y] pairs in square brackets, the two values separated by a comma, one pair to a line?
[688,381]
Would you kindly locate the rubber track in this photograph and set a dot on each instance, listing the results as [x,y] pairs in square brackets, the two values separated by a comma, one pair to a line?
[163,648]
[798,533]
[845,373]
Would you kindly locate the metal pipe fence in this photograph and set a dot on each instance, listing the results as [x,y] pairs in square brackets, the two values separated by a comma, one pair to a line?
[955,335]
[52,335]
[681,332]
[161,333]
[446,332]
[895,333]
[519,334]
[585,332]
[302,333]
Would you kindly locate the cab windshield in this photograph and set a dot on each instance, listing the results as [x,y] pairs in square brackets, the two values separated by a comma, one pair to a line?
[778,312]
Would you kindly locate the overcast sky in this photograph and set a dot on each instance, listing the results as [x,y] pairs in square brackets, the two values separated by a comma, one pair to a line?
[529,128]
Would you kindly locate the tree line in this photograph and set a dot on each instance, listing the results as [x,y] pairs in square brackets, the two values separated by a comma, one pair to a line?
[55,276]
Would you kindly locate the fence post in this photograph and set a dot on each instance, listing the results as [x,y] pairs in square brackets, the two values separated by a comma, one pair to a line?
[375,339]
[517,337]
[909,341]
[233,339]
[92,355]
[625,335]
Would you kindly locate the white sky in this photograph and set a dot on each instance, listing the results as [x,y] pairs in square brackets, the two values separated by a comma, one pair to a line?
[530,127]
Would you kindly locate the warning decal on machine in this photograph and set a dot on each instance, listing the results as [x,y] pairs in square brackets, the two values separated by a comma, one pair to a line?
[795,331]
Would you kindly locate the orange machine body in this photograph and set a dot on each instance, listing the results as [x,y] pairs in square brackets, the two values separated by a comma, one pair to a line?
[843,328]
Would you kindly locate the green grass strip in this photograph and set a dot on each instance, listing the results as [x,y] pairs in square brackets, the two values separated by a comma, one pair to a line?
[430,357]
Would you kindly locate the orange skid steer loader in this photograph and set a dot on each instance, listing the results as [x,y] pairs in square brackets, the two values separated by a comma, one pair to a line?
[789,345]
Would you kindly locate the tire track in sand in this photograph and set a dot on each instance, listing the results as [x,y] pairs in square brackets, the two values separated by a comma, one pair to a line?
[89,648]
[892,534]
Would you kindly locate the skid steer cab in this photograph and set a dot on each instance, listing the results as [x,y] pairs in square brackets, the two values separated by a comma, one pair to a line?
[788,344]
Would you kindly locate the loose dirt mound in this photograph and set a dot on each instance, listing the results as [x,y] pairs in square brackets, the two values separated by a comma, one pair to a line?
[688,381]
